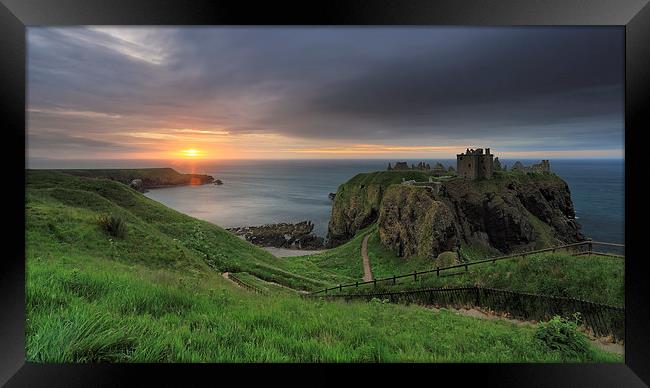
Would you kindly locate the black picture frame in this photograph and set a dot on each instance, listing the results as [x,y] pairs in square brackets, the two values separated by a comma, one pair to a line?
[15,15]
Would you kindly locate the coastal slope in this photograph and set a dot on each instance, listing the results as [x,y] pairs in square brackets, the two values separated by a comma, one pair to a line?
[63,210]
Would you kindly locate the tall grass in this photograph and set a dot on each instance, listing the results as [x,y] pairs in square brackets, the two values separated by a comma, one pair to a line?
[93,311]
[113,225]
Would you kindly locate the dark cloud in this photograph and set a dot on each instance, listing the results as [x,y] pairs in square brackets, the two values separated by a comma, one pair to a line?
[40,140]
[349,84]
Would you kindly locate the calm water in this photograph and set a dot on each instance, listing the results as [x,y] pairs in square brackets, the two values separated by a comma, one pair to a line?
[260,192]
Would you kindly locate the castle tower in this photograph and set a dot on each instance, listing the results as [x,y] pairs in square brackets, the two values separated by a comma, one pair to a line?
[475,164]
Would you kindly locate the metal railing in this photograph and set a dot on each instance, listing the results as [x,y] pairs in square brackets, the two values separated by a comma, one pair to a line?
[574,246]
[601,319]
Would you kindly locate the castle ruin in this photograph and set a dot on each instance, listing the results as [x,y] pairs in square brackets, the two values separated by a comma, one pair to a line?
[475,164]
[543,166]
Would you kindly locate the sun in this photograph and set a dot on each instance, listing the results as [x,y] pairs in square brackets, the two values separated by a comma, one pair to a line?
[192,153]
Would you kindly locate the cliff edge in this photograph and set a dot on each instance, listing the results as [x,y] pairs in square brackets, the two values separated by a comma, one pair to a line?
[511,212]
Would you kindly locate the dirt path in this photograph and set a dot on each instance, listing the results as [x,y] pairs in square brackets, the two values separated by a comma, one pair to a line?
[367,271]
[601,343]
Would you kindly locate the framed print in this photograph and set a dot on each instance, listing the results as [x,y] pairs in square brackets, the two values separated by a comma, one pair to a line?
[425,187]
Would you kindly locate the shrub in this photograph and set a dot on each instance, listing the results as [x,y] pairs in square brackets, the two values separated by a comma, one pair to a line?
[563,335]
[446,259]
[113,225]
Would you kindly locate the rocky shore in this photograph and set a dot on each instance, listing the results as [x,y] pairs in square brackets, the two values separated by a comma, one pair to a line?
[282,235]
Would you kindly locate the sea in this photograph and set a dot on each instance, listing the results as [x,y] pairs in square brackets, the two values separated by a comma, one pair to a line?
[262,192]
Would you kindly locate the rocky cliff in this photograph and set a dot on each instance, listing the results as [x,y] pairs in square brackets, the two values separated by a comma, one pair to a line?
[412,222]
[356,202]
[508,213]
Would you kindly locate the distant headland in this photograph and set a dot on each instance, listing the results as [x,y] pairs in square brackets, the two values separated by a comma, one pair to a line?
[142,179]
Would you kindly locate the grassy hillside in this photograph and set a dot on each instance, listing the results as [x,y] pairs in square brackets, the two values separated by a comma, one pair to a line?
[156,295]
[598,279]
[343,262]
[96,310]
[263,285]
[62,212]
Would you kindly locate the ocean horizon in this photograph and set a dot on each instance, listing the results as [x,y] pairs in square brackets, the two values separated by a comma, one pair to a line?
[257,192]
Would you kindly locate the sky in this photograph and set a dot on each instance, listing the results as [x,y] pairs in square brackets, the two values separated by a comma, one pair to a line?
[99,92]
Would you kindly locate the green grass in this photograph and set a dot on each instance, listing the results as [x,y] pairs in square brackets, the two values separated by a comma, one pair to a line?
[543,231]
[386,263]
[94,310]
[594,278]
[263,285]
[342,264]
[156,295]
[387,178]
[475,253]
[62,212]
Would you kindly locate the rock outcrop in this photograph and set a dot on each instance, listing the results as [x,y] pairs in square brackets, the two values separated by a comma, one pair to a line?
[508,213]
[356,202]
[411,223]
[282,235]
[513,212]
[137,185]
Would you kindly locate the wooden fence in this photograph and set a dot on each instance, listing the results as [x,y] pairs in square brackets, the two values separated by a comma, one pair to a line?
[576,249]
[601,319]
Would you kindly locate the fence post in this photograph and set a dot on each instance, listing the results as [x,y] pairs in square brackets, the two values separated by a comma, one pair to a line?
[590,246]
[393,279]
[437,271]
[340,288]
[375,282]
[466,268]
[478,297]
[415,276]
[357,284]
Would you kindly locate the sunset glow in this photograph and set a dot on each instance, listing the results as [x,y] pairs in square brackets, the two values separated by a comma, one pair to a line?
[192,153]
[379,93]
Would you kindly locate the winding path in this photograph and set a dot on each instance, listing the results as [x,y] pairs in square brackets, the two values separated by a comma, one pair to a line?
[367,271]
